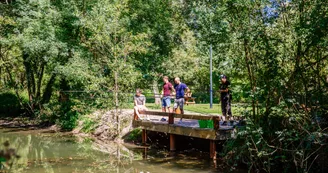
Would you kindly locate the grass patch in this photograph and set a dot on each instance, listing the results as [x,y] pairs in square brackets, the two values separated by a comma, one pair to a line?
[237,109]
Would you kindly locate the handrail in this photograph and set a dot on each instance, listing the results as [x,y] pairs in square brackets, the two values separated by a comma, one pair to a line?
[186,116]
[171,116]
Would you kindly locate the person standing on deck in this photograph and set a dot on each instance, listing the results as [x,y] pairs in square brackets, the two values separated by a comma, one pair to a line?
[166,95]
[225,98]
[180,89]
[140,103]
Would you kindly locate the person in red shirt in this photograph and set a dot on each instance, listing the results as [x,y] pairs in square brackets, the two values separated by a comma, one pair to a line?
[166,94]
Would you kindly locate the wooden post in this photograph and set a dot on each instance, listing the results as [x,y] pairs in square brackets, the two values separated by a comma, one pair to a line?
[212,149]
[216,122]
[171,118]
[172,142]
[144,136]
[172,136]
[144,154]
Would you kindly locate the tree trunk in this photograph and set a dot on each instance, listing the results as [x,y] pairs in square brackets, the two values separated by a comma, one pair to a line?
[30,80]
[156,92]
[40,76]
[63,87]
[250,74]
[48,90]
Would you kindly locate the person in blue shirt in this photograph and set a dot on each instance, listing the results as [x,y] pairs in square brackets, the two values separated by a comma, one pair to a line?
[180,89]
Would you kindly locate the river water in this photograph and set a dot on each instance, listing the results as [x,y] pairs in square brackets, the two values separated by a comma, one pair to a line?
[45,152]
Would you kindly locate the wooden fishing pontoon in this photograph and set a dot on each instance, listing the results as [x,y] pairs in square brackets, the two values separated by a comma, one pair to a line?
[188,127]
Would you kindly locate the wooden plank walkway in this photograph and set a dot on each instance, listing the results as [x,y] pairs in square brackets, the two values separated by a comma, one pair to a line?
[189,126]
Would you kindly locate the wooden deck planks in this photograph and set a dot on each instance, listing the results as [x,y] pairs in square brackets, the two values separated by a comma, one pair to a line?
[188,127]
[176,129]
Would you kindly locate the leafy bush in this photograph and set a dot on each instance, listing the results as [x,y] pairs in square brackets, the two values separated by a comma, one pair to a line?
[68,121]
[88,125]
[134,135]
[9,104]
[295,142]
[67,116]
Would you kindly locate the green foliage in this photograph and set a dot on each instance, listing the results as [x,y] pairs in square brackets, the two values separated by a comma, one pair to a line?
[134,135]
[68,117]
[10,104]
[88,125]
[274,53]
[286,137]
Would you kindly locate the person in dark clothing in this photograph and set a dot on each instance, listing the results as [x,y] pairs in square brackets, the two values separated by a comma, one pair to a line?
[225,98]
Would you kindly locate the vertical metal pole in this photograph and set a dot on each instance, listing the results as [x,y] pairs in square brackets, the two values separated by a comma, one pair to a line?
[211,83]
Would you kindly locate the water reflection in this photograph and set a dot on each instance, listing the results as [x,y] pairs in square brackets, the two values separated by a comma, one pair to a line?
[52,152]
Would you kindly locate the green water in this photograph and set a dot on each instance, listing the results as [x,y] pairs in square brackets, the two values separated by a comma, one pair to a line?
[41,151]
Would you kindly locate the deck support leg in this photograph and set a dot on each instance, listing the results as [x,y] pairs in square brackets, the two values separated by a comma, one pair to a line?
[144,136]
[212,149]
[171,118]
[144,154]
[172,142]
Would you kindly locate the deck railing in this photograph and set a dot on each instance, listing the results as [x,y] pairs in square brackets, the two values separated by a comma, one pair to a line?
[216,119]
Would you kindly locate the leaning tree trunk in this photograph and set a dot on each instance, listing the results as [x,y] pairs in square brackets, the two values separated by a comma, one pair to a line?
[30,80]
[156,93]
[48,90]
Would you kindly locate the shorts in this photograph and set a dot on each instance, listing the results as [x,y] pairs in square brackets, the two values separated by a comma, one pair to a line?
[166,101]
[179,103]
[141,108]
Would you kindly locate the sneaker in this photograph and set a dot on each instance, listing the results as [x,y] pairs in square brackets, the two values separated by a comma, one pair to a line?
[163,119]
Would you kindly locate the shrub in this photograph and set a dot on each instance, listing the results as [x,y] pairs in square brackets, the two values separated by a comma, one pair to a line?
[134,135]
[67,116]
[88,125]
[68,121]
[9,104]
[295,142]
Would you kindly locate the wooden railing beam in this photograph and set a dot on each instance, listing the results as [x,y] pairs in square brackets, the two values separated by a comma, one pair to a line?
[185,116]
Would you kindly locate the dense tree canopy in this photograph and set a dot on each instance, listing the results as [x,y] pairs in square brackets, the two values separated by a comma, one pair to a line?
[275,52]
